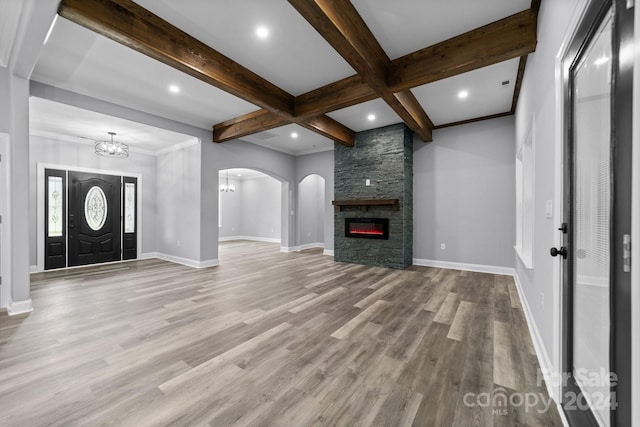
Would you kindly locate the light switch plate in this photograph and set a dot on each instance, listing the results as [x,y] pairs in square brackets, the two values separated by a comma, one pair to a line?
[548,209]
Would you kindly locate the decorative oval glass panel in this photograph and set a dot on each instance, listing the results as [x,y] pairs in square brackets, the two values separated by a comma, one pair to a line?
[95,208]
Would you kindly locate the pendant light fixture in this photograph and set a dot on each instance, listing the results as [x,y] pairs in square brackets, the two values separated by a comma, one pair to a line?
[112,148]
[226,188]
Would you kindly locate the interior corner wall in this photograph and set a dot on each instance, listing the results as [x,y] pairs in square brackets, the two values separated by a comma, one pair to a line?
[464,194]
[75,155]
[14,121]
[320,164]
[538,100]
[178,204]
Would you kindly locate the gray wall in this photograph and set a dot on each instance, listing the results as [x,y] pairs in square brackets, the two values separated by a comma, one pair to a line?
[537,108]
[464,194]
[261,208]
[321,164]
[231,206]
[74,155]
[178,203]
[311,210]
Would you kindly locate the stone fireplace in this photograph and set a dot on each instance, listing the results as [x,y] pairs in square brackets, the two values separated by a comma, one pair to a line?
[373,192]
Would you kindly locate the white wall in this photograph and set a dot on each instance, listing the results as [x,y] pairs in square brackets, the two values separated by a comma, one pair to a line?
[538,98]
[75,155]
[464,194]
[311,210]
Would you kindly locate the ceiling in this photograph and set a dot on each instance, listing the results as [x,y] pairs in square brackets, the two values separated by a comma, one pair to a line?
[294,57]
[241,174]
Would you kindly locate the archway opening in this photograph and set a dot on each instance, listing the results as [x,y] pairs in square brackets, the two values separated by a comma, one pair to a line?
[249,212]
[311,212]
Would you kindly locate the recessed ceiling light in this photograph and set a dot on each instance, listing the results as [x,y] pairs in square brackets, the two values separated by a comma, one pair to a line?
[294,135]
[371,117]
[174,89]
[239,174]
[262,32]
[463,94]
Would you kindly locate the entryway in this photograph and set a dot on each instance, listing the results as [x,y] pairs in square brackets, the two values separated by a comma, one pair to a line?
[89,217]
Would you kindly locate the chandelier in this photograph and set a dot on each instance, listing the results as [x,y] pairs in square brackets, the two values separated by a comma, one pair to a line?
[112,148]
[226,187]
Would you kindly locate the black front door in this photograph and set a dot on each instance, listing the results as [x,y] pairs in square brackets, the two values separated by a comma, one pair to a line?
[597,219]
[94,218]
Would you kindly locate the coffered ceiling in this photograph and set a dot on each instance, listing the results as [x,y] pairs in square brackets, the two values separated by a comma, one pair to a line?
[320,74]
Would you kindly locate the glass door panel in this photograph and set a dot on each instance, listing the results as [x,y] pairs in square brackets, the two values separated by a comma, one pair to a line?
[591,220]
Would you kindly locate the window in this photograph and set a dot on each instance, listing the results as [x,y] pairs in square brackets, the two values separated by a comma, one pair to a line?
[525,164]
[55,212]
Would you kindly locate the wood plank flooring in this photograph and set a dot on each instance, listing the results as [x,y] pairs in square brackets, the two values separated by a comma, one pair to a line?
[268,338]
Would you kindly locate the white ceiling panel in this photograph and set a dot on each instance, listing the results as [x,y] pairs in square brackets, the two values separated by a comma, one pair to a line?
[357,117]
[64,122]
[486,94]
[404,26]
[82,61]
[281,139]
[293,56]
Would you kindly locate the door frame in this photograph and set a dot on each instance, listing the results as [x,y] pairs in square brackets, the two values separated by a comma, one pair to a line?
[40,214]
[635,231]
[583,11]
[5,226]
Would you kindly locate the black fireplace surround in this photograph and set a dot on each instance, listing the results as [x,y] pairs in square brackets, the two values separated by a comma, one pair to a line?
[367,228]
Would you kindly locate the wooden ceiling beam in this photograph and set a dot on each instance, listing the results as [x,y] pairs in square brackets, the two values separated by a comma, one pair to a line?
[345,30]
[134,26]
[499,41]
[478,48]
[248,124]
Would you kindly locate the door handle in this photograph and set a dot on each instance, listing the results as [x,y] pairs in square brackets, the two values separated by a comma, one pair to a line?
[562,252]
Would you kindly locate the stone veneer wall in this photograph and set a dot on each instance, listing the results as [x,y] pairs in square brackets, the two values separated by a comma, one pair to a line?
[385,156]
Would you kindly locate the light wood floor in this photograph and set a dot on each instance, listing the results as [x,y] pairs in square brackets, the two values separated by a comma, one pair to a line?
[267,338]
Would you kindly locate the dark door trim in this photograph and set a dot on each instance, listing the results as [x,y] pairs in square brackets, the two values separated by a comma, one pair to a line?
[129,238]
[620,283]
[55,252]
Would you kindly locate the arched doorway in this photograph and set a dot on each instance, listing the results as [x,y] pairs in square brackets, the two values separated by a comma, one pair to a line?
[311,212]
[249,211]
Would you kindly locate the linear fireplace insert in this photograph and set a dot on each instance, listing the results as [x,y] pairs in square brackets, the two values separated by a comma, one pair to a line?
[367,228]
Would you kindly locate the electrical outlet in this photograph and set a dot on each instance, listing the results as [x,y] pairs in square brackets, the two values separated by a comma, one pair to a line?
[542,300]
[443,246]
[309,234]
[367,182]
[178,243]
[233,229]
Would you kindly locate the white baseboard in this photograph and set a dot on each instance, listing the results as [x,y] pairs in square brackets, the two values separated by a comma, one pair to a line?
[19,307]
[311,246]
[301,247]
[506,271]
[541,351]
[149,255]
[328,252]
[188,262]
[252,238]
